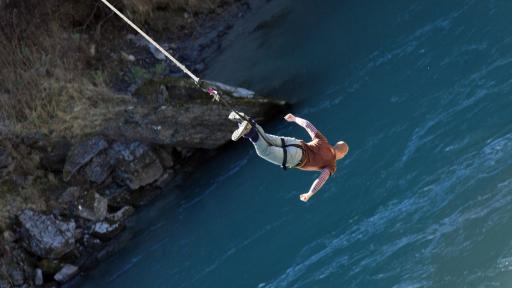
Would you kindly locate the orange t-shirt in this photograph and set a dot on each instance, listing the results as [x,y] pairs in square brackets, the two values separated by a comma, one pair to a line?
[318,154]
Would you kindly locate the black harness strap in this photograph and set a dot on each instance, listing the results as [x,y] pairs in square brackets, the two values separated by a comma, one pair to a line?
[285,154]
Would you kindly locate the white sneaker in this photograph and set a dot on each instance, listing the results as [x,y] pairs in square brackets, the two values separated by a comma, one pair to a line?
[233,116]
[243,129]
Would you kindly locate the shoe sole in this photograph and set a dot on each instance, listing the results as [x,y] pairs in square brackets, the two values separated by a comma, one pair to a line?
[241,131]
[235,118]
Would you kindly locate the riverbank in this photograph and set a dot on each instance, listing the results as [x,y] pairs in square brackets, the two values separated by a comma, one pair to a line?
[95,133]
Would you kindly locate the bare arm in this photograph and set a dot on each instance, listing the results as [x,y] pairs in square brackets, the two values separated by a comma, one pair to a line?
[312,131]
[319,182]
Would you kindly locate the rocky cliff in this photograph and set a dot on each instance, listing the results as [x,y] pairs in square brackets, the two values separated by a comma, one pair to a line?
[63,200]
[94,124]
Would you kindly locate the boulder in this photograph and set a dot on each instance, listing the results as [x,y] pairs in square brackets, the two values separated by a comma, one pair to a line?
[121,215]
[45,235]
[66,273]
[136,165]
[55,159]
[92,206]
[81,154]
[118,195]
[105,230]
[38,278]
[68,200]
[5,158]
[99,168]
[9,236]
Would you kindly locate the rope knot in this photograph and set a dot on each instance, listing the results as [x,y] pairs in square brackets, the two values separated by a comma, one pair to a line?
[214,93]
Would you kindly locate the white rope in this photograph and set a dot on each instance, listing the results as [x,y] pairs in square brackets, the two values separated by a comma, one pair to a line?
[181,66]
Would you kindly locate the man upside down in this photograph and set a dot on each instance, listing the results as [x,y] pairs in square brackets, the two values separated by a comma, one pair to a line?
[316,155]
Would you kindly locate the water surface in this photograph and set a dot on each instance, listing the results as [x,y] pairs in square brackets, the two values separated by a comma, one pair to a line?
[421,91]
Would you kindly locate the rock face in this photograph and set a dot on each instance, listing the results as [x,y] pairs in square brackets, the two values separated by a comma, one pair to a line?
[136,164]
[45,235]
[92,206]
[122,214]
[105,230]
[188,117]
[81,154]
[99,168]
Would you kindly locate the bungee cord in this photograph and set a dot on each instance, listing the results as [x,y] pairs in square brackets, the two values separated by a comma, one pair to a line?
[198,82]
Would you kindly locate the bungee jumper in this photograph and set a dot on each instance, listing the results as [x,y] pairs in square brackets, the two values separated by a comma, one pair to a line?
[316,155]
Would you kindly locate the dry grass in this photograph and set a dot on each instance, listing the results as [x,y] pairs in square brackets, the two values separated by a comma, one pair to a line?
[38,60]
[45,83]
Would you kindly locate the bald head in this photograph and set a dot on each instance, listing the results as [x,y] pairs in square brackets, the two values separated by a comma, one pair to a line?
[341,149]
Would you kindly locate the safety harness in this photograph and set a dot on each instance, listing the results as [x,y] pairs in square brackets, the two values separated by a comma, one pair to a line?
[285,152]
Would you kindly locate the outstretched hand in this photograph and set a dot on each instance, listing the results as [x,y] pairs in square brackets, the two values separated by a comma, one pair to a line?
[305,197]
[290,117]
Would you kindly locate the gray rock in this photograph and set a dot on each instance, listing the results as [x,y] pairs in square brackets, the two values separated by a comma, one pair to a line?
[121,215]
[66,273]
[38,278]
[55,159]
[81,154]
[92,206]
[16,275]
[68,200]
[45,235]
[105,230]
[99,168]
[235,91]
[5,158]
[91,243]
[9,236]
[136,164]
[117,195]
